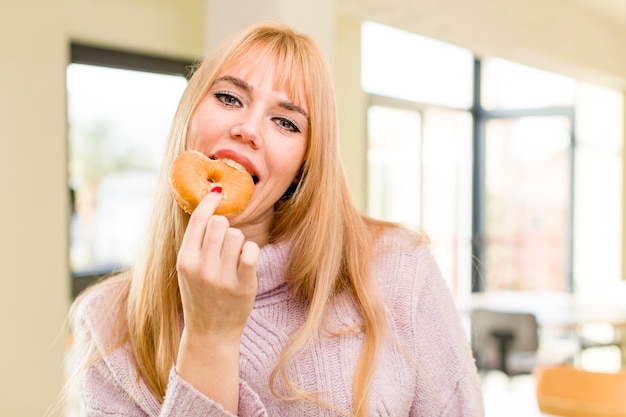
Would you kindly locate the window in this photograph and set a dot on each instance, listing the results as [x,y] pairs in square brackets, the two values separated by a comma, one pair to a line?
[427,71]
[597,247]
[119,108]
[508,85]
[419,141]
[394,147]
[528,202]
[514,172]
[528,126]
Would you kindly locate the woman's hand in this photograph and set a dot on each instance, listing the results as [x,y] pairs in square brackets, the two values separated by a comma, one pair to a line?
[217,279]
[216,273]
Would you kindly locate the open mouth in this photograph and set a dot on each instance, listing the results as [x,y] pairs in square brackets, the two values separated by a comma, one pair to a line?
[240,167]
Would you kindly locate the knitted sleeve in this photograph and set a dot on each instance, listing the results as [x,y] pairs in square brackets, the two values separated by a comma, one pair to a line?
[182,399]
[108,383]
[102,395]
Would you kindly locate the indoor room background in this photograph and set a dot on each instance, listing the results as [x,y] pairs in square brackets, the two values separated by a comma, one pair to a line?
[503,118]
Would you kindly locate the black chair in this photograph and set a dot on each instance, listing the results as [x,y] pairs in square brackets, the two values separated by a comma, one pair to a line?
[505,341]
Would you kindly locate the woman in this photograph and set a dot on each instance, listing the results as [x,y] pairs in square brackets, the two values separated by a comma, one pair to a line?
[301,305]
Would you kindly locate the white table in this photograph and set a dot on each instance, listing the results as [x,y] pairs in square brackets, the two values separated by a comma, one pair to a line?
[556,310]
[551,308]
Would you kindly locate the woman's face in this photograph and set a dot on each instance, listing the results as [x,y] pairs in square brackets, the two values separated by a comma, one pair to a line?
[245,119]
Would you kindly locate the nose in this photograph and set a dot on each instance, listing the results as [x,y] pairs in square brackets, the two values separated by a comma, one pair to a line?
[247,131]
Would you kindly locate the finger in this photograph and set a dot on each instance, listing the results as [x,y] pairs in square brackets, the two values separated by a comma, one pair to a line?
[231,250]
[195,232]
[213,240]
[248,261]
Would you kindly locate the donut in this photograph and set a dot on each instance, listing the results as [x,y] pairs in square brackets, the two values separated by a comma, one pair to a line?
[194,174]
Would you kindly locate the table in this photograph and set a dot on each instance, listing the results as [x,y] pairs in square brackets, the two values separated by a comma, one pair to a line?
[556,310]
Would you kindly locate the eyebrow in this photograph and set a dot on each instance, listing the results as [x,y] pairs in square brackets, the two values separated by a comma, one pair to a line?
[287,105]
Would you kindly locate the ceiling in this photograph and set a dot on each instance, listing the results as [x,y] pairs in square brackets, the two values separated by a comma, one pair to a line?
[614,10]
[398,10]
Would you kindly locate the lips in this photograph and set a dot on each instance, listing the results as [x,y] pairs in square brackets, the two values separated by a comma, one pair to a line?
[237,161]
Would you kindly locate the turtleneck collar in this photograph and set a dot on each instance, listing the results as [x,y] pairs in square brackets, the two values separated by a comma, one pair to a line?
[272,266]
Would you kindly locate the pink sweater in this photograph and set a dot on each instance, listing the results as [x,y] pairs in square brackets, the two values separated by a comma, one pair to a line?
[425,368]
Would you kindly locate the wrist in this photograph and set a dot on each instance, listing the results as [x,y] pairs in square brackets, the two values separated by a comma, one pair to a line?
[211,366]
[202,339]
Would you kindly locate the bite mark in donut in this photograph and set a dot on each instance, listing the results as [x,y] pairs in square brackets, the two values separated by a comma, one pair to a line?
[194,174]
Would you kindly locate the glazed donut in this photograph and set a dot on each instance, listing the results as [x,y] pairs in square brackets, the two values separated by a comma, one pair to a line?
[194,174]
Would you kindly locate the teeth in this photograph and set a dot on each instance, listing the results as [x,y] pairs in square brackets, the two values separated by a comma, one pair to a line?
[233,164]
[238,166]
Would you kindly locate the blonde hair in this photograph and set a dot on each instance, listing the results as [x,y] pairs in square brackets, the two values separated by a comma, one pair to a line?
[332,240]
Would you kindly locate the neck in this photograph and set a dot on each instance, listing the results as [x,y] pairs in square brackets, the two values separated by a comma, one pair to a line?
[257,231]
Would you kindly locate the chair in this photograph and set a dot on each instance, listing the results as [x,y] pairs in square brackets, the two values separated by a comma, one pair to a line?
[572,392]
[505,341]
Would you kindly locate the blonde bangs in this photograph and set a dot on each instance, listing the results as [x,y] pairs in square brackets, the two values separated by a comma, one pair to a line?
[285,53]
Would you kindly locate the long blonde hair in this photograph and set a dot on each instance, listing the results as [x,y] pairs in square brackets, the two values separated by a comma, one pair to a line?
[331,239]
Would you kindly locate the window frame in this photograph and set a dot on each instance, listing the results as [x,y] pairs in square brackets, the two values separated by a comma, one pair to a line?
[480,116]
[112,58]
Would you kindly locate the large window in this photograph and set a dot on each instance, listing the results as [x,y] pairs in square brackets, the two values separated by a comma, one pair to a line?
[416,68]
[514,172]
[597,247]
[120,107]
[419,141]
[394,155]
[527,119]
[528,201]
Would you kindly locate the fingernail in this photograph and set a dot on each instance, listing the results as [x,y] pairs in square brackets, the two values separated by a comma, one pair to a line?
[217,189]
